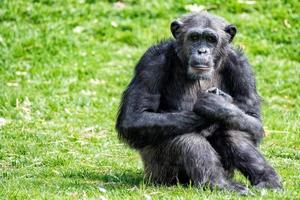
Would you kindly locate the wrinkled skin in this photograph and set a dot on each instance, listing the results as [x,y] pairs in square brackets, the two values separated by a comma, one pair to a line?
[192,109]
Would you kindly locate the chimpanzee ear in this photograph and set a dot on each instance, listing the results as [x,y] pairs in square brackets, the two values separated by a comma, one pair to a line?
[175,28]
[231,30]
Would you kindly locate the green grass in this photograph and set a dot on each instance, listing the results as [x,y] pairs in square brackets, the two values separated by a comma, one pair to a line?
[64,65]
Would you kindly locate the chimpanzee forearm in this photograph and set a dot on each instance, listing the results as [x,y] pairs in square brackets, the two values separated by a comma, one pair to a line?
[234,118]
[244,122]
[149,128]
[217,109]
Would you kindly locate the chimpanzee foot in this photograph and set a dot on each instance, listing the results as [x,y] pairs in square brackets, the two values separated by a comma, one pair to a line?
[270,181]
[240,188]
[275,184]
[235,187]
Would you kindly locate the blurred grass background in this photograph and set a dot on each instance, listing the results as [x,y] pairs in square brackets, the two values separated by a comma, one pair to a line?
[64,65]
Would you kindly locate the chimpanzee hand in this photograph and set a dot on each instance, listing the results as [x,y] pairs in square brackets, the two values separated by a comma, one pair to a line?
[215,107]
[209,131]
[217,91]
[221,112]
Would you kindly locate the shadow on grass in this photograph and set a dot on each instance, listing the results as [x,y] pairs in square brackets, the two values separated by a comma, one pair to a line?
[114,179]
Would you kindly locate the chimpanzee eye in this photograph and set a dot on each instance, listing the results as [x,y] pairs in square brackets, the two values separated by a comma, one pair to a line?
[211,38]
[194,37]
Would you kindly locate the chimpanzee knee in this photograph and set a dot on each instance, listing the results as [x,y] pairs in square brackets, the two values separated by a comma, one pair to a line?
[199,159]
[189,153]
[189,157]
[238,151]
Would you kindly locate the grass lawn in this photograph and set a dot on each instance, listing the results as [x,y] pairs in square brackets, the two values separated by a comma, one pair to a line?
[64,65]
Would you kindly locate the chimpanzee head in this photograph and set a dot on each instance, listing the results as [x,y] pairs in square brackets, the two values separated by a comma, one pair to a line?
[201,40]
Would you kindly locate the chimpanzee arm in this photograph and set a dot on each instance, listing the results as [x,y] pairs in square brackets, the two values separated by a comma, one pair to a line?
[218,110]
[139,121]
[244,93]
[244,113]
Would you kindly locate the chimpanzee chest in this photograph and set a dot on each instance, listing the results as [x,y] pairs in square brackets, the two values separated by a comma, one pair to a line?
[179,97]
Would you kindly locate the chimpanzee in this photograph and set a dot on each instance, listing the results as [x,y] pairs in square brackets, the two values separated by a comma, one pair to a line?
[192,109]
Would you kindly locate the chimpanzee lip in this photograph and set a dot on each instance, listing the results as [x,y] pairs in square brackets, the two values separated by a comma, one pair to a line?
[201,67]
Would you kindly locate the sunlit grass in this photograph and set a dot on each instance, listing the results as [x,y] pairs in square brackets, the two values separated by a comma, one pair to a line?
[64,65]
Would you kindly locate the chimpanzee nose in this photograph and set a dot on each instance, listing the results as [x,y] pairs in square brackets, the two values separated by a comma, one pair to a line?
[202,50]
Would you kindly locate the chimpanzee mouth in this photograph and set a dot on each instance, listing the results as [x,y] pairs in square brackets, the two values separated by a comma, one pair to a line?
[201,67]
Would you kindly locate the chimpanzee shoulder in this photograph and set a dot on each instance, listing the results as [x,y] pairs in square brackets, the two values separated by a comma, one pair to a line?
[156,56]
[240,81]
[153,68]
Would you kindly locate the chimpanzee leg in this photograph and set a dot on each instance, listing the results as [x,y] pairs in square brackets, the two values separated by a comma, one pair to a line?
[186,158]
[237,151]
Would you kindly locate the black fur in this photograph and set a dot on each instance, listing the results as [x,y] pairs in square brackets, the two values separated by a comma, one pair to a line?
[185,133]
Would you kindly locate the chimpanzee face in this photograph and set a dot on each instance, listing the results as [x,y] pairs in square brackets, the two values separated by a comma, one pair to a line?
[199,46]
[201,43]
